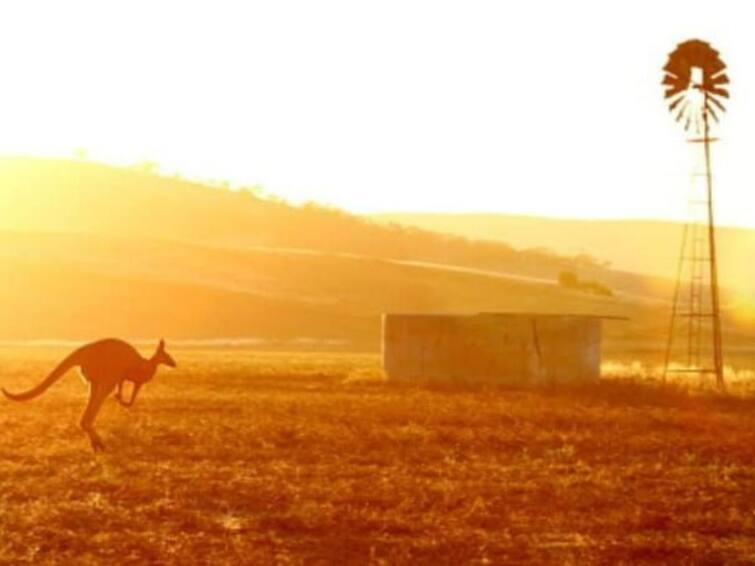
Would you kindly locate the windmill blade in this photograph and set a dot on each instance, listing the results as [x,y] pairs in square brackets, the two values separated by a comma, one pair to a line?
[677,68]
[722,79]
[712,112]
[716,66]
[675,88]
[682,110]
[672,82]
[715,101]
[675,103]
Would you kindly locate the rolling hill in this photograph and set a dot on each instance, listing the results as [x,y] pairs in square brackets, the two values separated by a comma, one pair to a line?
[77,286]
[640,246]
[63,196]
[89,250]
[68,196]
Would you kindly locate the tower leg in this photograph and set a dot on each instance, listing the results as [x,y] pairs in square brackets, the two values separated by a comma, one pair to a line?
[718,358]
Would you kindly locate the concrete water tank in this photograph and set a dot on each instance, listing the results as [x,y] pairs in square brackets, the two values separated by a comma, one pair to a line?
[514,348]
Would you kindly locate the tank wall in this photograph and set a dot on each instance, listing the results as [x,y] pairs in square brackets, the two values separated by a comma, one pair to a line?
[495,347]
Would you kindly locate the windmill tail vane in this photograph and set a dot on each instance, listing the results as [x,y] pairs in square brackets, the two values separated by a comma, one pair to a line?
[696,84]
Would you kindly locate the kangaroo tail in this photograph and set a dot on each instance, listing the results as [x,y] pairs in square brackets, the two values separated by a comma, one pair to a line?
[70,361]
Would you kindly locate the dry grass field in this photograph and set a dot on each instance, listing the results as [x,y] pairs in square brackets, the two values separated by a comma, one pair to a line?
[242,457]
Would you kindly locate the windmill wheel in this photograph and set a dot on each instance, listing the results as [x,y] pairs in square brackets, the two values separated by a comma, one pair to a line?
[694,77]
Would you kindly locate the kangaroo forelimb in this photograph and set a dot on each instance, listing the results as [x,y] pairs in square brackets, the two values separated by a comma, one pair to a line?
[134,393]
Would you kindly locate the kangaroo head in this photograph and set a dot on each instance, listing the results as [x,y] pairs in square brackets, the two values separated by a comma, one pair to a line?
[163,357]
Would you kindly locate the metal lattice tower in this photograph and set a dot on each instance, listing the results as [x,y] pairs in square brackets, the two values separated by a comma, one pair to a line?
[694,80]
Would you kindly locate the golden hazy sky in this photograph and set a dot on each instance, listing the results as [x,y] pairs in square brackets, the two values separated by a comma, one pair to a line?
[534,107]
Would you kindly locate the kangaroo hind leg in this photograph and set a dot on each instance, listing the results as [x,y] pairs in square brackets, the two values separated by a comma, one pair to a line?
[97,395]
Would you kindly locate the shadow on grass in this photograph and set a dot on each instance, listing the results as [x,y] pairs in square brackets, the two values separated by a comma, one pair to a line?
[624,391]
[632,392]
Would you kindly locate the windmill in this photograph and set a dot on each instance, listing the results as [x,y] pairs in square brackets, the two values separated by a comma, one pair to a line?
[695,82]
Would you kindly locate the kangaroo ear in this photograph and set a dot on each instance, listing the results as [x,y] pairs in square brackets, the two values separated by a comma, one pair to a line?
[161,345]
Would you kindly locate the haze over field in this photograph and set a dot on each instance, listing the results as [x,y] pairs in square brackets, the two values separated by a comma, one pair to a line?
[528,108]
[90,249]
[640,246]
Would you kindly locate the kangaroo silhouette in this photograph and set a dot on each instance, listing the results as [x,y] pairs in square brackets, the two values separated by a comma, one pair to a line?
[106,365]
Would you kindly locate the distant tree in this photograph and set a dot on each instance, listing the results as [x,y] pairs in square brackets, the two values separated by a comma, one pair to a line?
[599,289]
[147,166]
[81,154]
[256,190]
[568,279]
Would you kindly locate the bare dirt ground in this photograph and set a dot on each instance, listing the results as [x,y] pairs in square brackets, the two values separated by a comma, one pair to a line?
[241,457]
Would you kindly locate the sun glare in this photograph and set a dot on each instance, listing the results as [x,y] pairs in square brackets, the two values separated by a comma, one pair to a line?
[344,123]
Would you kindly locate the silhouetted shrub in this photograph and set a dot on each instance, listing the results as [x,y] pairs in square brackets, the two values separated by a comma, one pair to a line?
[569,280]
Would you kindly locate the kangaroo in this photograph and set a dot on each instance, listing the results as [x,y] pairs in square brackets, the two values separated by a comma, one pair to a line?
[106,365]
